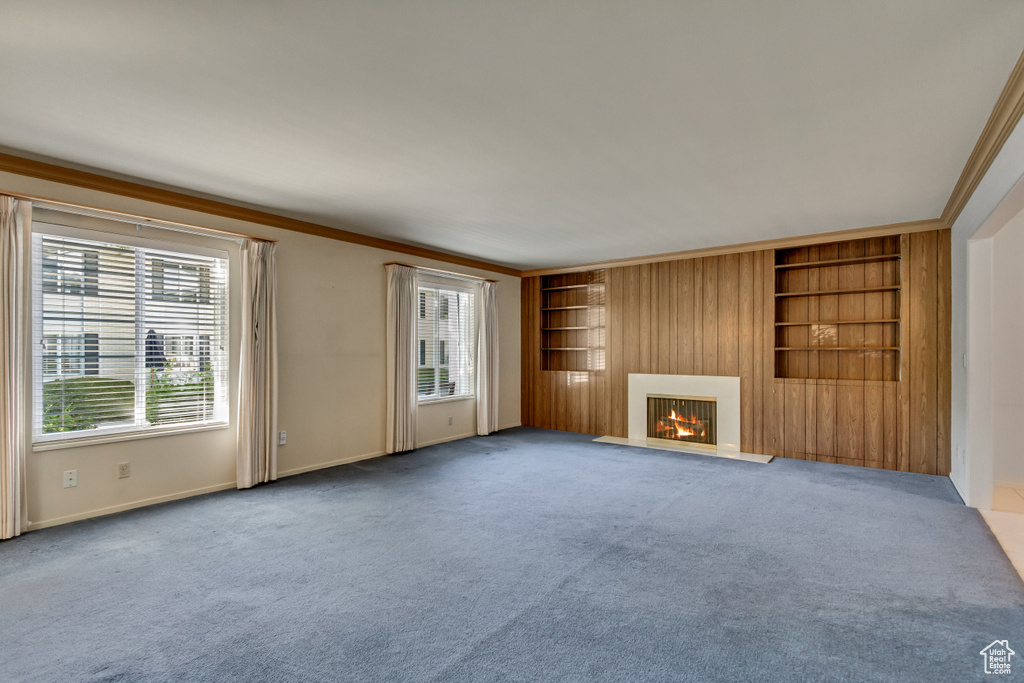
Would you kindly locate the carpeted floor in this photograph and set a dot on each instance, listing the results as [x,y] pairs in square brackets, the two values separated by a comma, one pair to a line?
[525,556]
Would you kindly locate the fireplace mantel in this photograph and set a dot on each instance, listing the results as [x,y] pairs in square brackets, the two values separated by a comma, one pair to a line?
[725,390]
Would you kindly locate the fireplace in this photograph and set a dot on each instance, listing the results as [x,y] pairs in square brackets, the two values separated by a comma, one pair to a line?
[687,419]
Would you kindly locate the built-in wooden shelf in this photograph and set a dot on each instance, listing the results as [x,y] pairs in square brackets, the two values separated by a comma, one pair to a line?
[833,292]
[557,289]
[838,262]
[873,321]
[858,284]
[572,325]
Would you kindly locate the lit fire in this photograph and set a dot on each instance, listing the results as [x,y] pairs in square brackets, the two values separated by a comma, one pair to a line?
[678,426]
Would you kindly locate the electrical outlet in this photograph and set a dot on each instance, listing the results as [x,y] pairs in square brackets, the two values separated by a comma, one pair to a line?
[449,420]
[282,438]
[70,478]
[124,470]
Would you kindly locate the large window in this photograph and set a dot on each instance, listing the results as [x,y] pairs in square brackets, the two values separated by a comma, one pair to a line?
[445,342]
[128,336]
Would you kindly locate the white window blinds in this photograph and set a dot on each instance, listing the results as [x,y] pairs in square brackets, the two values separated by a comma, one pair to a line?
[126,337]
[445,342]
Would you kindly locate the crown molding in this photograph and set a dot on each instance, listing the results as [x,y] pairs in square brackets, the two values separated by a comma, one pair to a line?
[124,188]
[1001,122]
[782,243]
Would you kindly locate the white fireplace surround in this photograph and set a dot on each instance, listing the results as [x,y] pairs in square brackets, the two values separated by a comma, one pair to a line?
[725,391]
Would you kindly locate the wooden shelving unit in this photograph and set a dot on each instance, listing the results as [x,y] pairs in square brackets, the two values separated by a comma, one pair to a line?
[838,310]
[572,335]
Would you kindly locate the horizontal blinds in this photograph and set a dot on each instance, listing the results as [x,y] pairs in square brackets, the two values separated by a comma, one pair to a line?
[444,350]
[126,337]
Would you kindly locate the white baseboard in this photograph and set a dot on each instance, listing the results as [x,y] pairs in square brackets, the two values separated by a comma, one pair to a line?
[959,488]
[330,463]
[99,512]
[445,439]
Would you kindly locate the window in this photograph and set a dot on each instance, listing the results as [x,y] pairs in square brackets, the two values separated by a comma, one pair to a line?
[445,342]
[128,337]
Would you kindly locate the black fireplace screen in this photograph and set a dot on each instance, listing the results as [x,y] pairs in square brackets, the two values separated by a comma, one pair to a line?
[675,418]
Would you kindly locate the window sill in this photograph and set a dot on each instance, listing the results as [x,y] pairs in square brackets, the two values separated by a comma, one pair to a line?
[77,442]
[446,399]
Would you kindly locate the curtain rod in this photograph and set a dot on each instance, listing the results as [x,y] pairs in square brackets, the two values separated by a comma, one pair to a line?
[442,272]
[137,219]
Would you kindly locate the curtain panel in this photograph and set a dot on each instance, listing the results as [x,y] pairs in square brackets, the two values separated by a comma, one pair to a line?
[487,361]
[401,358]
[257,371]
[15,225]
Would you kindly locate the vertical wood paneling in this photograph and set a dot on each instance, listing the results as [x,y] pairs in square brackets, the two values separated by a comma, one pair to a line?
[909,286]
[716,315]
[850,422]
[664,316]
[874,424]
[756,395]
[796,413]
[728,315]
[773,418]
[616,341]
[697,324]
[710,294]
[745,347]
[924,322]
[825,391]
[644,322]
[686,324]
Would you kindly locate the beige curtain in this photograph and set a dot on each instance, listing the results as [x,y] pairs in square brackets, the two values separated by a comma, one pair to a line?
[487,361]
[401,358]
[257,369]
[15,224]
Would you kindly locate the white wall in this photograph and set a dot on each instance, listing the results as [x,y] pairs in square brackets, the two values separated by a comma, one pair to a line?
[980,219]
[332,369]
[1008,353]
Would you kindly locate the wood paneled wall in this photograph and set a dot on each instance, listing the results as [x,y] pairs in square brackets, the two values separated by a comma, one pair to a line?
[716,316]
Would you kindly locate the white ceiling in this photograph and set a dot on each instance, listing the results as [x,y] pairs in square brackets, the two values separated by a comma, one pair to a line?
[527,133]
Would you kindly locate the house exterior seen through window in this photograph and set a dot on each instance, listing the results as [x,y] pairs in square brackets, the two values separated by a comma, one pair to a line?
[445,343]
[126,338]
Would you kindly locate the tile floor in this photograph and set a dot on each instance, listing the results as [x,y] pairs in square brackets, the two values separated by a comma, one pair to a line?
[1006,520]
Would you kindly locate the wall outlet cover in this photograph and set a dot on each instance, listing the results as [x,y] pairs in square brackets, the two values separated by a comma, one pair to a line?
[70,478]
[282,438]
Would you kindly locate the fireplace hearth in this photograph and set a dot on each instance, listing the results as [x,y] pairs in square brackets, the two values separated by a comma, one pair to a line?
[687,419]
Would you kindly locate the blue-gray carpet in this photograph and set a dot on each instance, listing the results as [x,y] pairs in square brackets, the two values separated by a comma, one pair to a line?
[528,555]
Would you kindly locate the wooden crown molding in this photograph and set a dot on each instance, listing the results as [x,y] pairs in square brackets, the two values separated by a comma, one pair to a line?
[782,243]
[125,188]
[1001,122]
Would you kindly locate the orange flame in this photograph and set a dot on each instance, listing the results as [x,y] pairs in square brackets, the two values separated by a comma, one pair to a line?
[681,426]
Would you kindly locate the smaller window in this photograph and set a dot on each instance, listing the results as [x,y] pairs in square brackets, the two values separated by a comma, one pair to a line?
[444,342]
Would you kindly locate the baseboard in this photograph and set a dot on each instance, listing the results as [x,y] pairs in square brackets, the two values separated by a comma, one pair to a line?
[100,512]
[445,439]
[959,488]
[331,463]
[1008,484]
